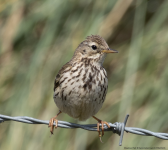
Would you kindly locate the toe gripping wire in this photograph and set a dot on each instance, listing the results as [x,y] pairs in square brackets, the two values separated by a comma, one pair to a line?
[119,129]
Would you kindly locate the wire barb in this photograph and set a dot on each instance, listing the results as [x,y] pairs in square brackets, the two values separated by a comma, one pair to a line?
[122,130]
[117,127]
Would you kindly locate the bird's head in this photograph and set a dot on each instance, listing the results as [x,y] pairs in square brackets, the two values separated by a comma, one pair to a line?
[93,47]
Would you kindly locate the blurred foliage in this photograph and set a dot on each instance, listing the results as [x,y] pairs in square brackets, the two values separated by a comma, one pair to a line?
[38,36]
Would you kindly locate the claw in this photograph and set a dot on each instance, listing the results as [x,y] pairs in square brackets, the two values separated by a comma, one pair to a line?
[101,139]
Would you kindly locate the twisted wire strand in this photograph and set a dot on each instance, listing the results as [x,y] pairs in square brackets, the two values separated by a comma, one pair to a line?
[117,127]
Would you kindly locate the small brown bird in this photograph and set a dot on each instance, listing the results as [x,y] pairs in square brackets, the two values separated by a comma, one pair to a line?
[80,86]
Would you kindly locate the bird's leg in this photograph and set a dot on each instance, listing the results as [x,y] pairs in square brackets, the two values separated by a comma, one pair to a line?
[98,126]
[51,122]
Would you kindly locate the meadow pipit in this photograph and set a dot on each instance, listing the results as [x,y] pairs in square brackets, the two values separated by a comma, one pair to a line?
[80,86]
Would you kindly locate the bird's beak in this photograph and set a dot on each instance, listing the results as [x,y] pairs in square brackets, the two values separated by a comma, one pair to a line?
[109,50]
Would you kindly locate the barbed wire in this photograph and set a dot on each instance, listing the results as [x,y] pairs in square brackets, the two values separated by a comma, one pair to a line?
[117,127]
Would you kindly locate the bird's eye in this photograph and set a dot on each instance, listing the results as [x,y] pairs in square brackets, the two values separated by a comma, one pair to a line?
[94,47]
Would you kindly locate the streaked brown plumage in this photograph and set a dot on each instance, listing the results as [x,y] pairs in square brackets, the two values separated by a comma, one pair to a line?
[80,86]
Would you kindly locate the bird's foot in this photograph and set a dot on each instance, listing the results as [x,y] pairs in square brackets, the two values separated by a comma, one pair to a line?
[102,127]
[51,123]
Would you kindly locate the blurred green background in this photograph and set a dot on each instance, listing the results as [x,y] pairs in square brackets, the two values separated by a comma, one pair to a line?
[38,36]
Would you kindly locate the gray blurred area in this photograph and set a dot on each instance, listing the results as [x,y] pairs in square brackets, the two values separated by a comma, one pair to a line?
[37,37]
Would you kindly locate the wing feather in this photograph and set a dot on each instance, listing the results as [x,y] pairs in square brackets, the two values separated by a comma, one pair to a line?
[61,71]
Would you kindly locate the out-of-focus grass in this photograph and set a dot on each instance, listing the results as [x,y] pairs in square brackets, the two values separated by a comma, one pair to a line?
[38,37]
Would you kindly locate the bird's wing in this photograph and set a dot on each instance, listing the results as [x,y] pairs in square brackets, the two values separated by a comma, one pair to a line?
[61,71]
